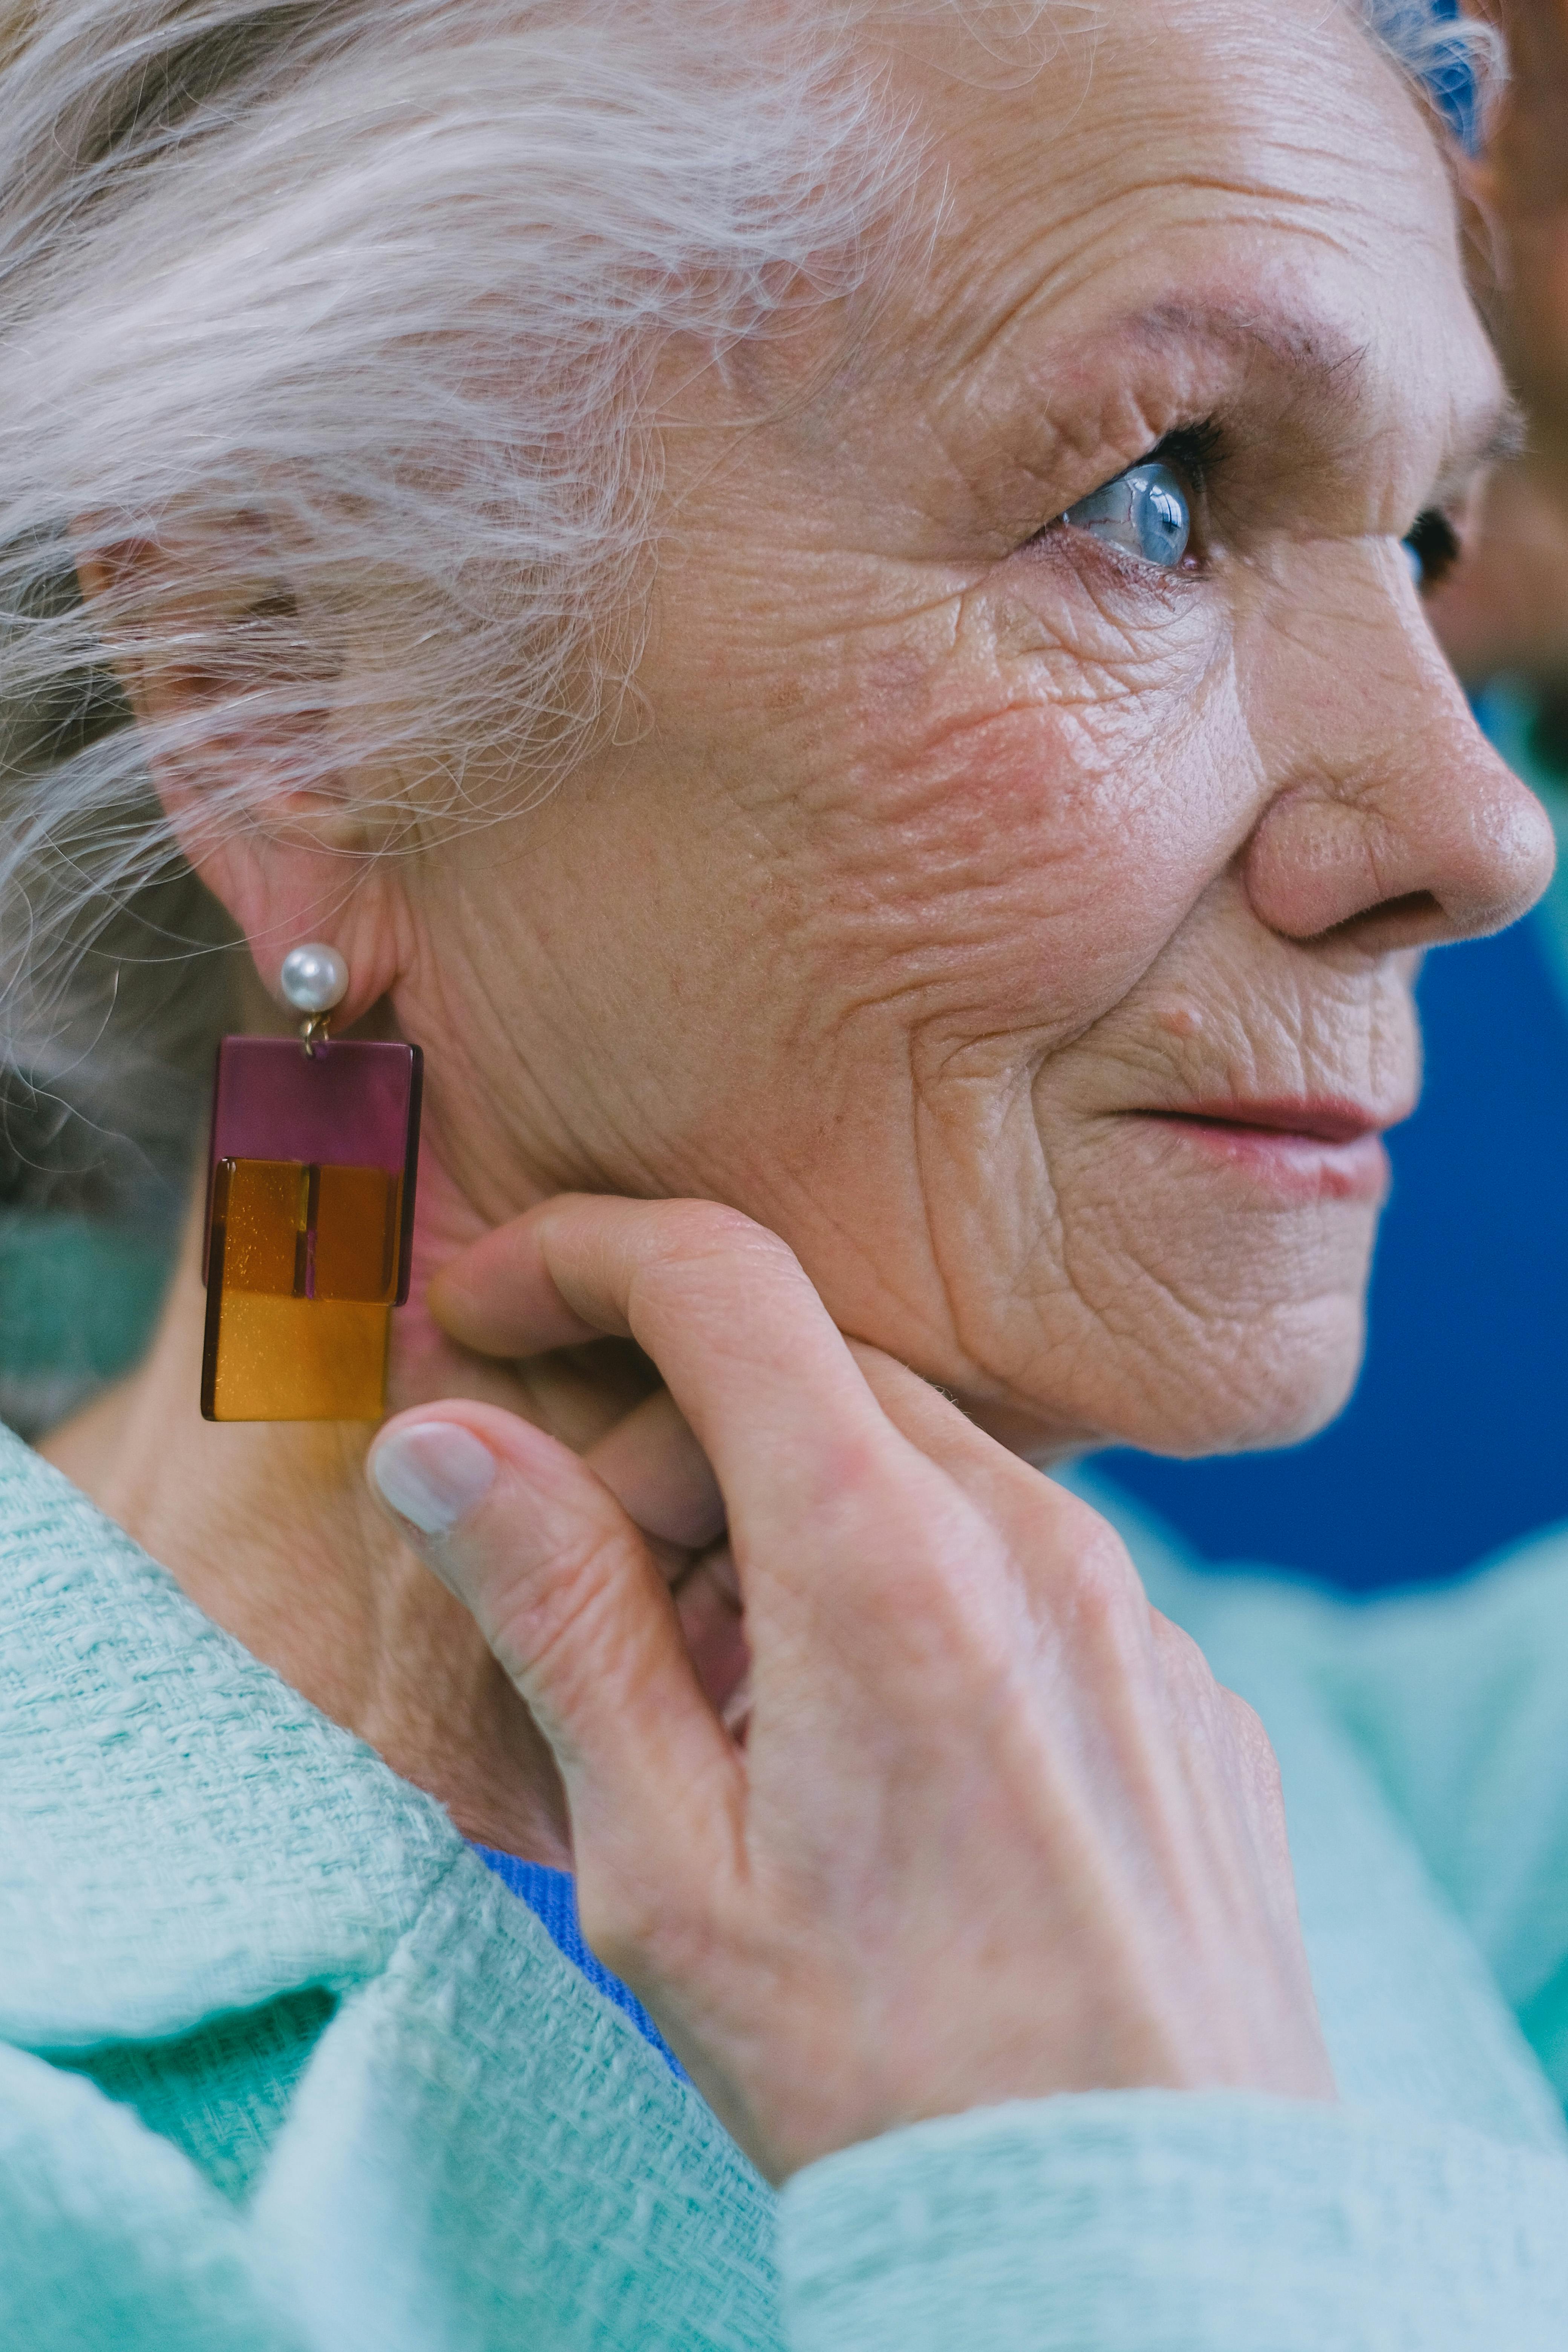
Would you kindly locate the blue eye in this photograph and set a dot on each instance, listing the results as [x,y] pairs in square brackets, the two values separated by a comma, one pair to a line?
[1144,511]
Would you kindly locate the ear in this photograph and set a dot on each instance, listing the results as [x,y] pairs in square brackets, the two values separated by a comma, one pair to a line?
[239,693]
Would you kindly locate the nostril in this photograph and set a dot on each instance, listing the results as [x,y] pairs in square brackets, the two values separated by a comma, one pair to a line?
[1420,851]
[1405,921]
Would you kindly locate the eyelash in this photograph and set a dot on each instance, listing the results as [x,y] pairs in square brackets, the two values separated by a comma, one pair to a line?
[1193,449]
[1435,544]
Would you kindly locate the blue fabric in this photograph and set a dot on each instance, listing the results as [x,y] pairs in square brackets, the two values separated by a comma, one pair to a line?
[551,1896]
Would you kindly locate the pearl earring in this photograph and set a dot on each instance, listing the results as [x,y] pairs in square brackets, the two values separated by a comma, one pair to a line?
[309,1211]
[315,980]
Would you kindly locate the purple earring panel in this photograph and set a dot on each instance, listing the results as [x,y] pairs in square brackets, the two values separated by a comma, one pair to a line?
[309,1226]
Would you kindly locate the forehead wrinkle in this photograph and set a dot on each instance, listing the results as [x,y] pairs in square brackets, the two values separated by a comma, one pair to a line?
[961,344]
[1008,248]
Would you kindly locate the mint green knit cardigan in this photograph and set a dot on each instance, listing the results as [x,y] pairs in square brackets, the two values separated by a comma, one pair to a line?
[283,2068]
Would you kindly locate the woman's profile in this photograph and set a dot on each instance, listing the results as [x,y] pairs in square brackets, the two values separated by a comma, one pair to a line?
[761,674]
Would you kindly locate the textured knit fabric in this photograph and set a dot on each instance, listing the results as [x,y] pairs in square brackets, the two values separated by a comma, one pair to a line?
[284,2068]
[551,1896]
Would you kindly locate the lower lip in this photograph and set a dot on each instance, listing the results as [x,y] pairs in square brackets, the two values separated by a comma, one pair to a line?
[1293,1165]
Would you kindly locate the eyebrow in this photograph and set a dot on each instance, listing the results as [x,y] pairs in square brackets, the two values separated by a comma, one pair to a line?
[1491,435]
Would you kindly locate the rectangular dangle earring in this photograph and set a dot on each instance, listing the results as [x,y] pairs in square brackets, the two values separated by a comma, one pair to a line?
[309,1212]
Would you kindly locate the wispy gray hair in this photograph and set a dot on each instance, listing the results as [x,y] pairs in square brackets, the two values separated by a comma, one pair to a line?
[376,281]
[380,276]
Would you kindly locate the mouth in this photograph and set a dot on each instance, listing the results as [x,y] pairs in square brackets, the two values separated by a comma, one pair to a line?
[1308,1147]
[1316,1120]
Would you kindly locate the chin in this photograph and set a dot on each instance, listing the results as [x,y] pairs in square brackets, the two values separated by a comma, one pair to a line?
[1282,1384]
[1272,1397]
[1205,1294]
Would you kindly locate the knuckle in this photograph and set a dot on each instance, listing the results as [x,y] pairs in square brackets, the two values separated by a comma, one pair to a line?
[548,1625]
[1182,1662]
[696,1230]
[620,1923]
[918,1579]
[703,1244]
[1101,1586]
[1252,1743]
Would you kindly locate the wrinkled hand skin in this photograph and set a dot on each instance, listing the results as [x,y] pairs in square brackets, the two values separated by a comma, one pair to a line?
[995,1833]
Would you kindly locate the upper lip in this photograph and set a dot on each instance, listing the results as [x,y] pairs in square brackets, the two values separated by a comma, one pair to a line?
[1330,1118]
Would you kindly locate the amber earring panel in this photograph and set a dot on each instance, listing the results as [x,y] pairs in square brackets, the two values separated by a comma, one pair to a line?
[310,1227]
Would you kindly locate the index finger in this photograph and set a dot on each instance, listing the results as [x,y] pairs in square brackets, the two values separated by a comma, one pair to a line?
[746,1347]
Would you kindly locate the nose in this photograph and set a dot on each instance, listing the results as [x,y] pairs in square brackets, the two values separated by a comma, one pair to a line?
[1397,824]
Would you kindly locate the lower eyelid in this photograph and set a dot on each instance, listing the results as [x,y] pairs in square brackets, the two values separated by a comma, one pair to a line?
[1064,543]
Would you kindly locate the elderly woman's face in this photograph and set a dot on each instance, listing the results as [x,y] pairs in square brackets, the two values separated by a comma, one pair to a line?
[1020,914]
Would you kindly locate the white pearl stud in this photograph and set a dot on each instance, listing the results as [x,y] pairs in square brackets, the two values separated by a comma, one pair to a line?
[315,978]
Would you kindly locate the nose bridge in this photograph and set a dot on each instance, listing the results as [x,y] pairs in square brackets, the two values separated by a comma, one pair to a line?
[1390,813]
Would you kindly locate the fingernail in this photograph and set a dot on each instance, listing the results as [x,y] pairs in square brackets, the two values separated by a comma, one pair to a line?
[432,1473]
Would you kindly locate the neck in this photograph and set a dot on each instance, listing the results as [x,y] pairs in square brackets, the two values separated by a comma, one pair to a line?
[270,1530]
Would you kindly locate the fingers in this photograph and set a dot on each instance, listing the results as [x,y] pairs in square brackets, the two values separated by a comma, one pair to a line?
[708,1605]
[946,1436]
[1060,1544]
[500,1298]
[826,1443]
[757,1368]
[659,1474]
[566,1595]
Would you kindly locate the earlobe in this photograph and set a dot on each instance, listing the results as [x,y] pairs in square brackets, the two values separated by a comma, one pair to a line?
[233,694]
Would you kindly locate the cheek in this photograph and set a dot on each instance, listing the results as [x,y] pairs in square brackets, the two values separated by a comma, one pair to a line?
[1006,846]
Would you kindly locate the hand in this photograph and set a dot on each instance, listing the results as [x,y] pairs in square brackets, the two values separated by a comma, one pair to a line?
[994,1831]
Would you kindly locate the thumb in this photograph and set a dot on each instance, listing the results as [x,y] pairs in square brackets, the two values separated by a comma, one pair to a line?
[572,1605]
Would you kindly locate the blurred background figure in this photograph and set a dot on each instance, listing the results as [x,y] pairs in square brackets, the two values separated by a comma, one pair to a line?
[1456,1442]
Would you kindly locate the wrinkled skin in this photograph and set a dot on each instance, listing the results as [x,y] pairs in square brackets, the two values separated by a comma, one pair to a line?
[948,849]
[995,1832]
[956,891]
[945,849]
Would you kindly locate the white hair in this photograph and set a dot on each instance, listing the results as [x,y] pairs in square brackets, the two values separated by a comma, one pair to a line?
[362,290]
